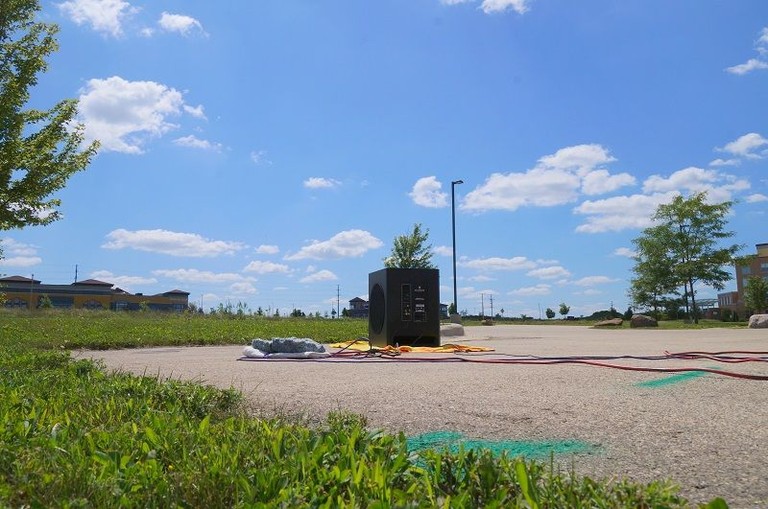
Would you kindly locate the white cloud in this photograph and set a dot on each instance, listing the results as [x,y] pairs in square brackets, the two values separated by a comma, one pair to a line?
[443,250]
[532,290]
[692,179]
[601,182]
[20,261]
[427,192]
[480,279]
[753,64]
[193,141]
[322,275]
[756,198]
[261,267]
[556,180]
[345,244]
[105,16]
[496,263]
[490,6]
[259,158]
[199,276]
[624,251]
[267,249]
[18,254]
[763,40]
[553,272]
[580,158]
[718,186]
[725,162]
[321,183]
[14,247]
[745,146]
[196,111]
[124,282]
[243,288]
[620,212]
[179,23]
[170,243]
[123,114]
[594,280]
[537,187]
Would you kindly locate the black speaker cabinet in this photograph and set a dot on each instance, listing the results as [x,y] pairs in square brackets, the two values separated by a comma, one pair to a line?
[404,307]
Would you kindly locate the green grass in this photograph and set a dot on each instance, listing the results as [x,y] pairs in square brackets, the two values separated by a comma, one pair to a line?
[109,330]
[72,435]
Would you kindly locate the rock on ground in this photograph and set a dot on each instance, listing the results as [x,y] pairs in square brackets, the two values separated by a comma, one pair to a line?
[643,321]
[758,321]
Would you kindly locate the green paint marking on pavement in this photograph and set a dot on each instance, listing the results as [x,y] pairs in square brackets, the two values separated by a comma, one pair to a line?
[452,441]
[673,379]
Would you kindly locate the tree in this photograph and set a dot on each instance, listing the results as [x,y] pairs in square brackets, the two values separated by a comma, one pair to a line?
[411,251]
[564,308]
[756,294]
[551,313]
[654,277]
[39,149]
[682,249]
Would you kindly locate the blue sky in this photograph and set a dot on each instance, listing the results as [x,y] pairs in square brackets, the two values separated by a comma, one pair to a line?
[270,152]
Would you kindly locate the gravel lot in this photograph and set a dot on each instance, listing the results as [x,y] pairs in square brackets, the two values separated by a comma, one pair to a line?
[709,434]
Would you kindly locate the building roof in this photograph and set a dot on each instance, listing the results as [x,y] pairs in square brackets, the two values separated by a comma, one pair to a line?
[357,299]
[92,282]
[177,292]
[19,279]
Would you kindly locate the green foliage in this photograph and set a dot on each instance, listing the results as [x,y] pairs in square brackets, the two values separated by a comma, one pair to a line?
[411,251]
[682,249]
[756,294]
[564,308]
[550,313]
[39,150]
[45,303]
[72,435]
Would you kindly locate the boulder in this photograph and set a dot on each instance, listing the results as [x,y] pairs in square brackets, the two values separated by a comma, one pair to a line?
[613,322]
[758,321]
[451,329]
[643,321]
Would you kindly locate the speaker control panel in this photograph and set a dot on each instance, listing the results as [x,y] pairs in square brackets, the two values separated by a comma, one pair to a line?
[406,306]
[419,303]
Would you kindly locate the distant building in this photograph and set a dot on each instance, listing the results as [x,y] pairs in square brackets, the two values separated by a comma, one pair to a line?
[23,292]
[758,266]
[358,308]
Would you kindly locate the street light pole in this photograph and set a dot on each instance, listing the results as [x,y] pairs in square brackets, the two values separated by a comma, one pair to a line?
[453,229]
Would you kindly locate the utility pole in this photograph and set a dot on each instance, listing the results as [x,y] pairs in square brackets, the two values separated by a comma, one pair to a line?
[453,234]
[482,305]
[75,273]
[492,315]
[338,300]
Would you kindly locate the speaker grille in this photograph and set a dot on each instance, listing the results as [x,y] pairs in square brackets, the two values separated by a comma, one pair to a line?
[376,311]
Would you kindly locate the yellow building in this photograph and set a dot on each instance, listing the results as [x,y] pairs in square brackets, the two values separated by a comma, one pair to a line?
[23,292]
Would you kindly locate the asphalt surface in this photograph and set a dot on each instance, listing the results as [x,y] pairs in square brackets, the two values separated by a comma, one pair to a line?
[706,432]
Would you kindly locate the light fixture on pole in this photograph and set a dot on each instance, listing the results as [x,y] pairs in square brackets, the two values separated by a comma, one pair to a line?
[453,229]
